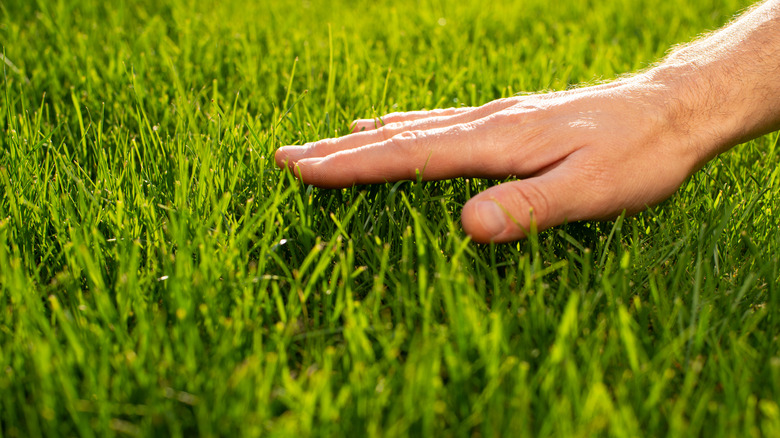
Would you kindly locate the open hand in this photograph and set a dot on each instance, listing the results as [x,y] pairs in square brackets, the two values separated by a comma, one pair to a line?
[583,154]
[589,153]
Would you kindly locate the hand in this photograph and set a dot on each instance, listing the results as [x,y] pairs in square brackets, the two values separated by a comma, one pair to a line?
[583,154]
[589,153]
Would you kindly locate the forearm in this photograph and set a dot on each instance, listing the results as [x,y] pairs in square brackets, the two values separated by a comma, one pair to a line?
[724,89]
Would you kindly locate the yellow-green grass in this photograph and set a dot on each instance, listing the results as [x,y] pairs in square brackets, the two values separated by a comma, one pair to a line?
[159,276]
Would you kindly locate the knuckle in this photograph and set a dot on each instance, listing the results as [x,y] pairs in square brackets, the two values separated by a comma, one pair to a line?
[532,201]
[390,130]
[407,142]
[407,137]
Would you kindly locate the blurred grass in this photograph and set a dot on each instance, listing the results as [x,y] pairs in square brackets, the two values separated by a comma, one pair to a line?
[158,275]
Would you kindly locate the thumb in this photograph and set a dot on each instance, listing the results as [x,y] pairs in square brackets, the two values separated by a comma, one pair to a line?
[508,211]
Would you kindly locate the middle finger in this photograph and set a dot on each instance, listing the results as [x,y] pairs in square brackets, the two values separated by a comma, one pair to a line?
[323,148]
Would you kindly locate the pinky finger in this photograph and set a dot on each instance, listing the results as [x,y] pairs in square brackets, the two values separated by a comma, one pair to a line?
[360,125]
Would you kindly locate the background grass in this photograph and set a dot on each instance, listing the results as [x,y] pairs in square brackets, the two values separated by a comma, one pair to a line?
[159,276]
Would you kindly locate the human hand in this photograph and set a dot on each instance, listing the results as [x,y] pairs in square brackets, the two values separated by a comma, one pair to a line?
[589,153]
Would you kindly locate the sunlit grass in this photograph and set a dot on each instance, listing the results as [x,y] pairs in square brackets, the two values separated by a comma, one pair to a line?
[159,276]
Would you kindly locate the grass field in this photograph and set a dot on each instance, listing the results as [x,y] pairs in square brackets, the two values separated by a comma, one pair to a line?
[159,276]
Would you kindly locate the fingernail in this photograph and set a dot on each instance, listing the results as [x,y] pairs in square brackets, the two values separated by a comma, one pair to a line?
[492,218]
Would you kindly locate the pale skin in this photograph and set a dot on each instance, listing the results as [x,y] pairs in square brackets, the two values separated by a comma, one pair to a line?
[589,153]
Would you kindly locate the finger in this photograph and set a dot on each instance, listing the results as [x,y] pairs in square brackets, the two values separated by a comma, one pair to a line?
[476,149]
[322,148]
[361,125]
[508,211]
[435,154]
[410,116]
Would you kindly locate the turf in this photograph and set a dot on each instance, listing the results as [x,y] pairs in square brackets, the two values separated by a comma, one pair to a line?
[160,277]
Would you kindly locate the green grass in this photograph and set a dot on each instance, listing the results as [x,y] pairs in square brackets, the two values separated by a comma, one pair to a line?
[159,276]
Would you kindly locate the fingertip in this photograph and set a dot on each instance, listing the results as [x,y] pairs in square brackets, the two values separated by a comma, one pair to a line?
[280,158]
[361,125]
[355,126]
[304,168]
[287,156]
[485,221]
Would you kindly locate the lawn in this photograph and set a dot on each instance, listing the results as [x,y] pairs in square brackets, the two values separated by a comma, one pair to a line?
[159,276]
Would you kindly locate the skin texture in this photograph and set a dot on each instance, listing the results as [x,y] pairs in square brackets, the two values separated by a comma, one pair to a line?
[589,153]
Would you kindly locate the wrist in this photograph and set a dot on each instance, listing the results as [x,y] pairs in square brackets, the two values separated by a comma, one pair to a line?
[709,110]
[723,90]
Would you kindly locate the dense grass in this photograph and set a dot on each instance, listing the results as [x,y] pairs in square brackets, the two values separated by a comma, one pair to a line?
[159,276]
